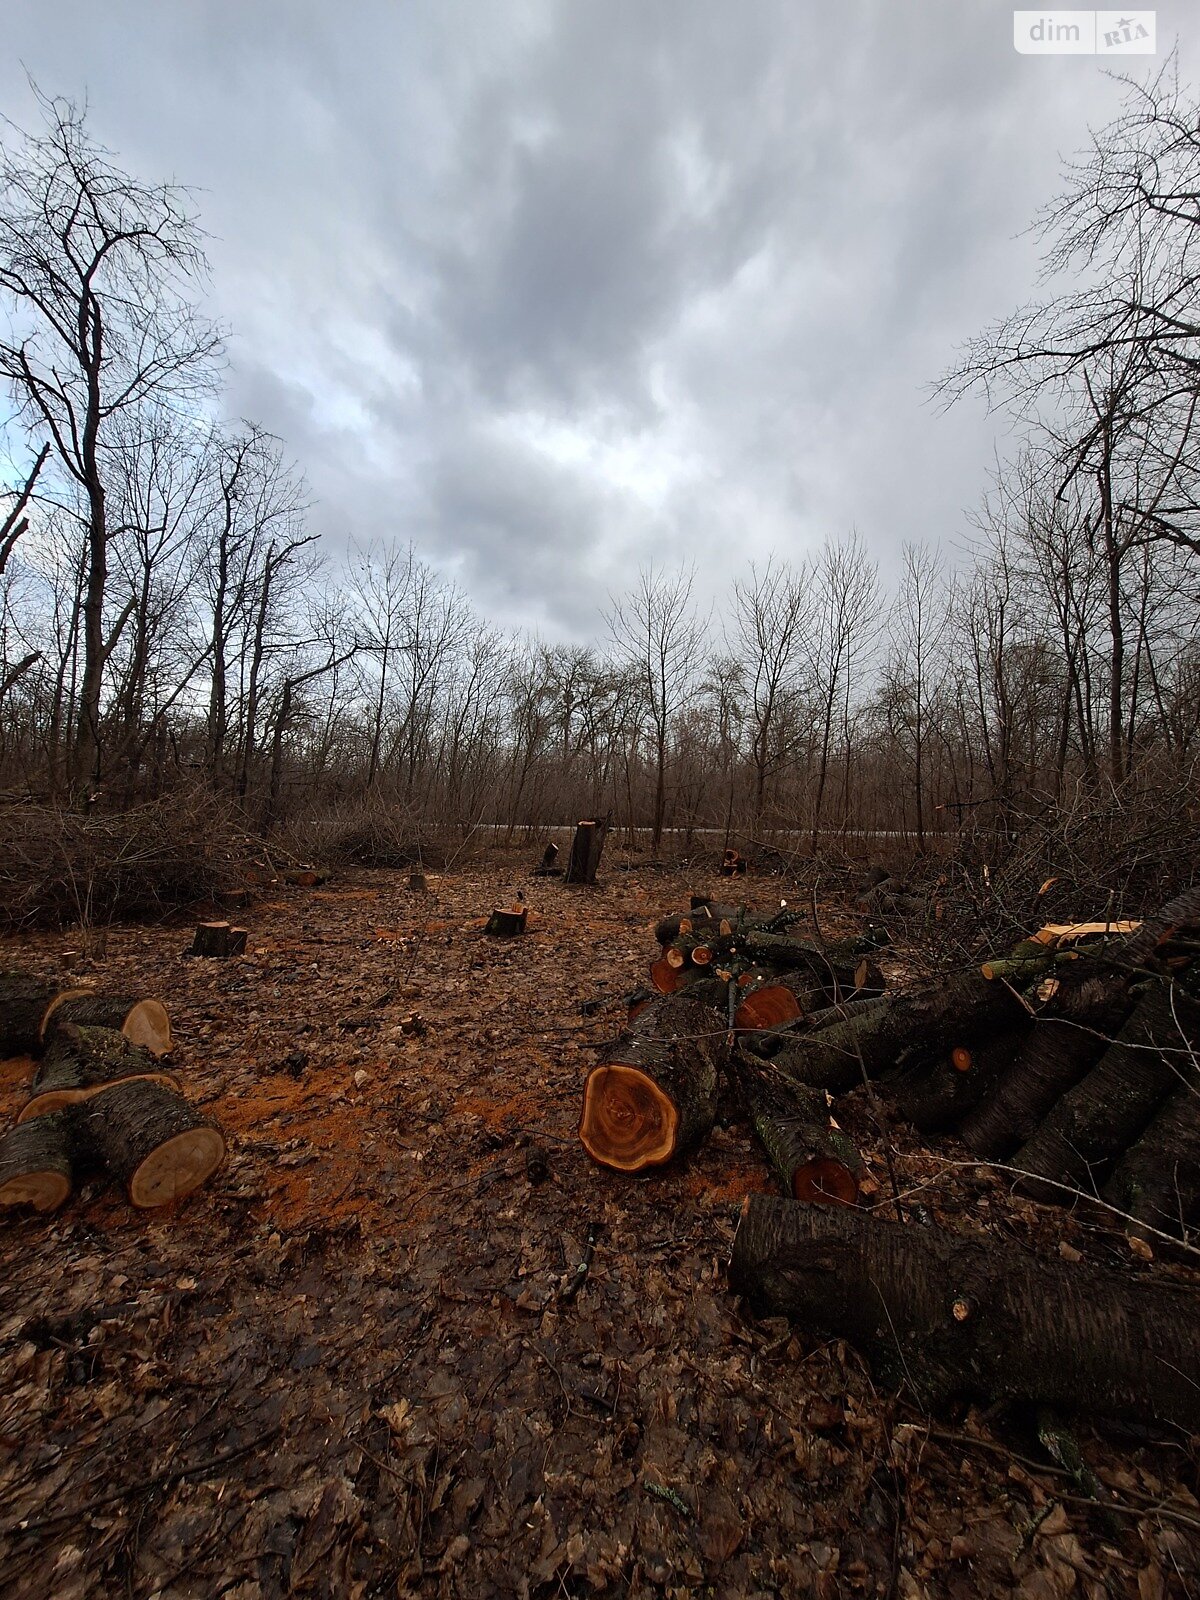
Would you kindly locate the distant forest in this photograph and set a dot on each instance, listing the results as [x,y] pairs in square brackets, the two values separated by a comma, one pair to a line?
[168,620]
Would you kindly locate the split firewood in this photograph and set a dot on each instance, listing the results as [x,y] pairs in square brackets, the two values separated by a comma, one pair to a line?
[586,849]
[152,1140]
[978,1317]
[654,1094]
[1157,1180]
[816,1162]
[36,1163]
[507,921]
[1109,1108]
[80,1062]
[218,939]
[935,1095]
[932,1019]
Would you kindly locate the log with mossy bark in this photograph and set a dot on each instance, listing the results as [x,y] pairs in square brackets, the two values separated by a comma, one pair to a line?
[143,1022]
[654,1094]
[1157,1180]
[81,1062]
[152,1140]
[37,1162]
[976,1317]
[1108,1109]
[815,1161]
[928,1020]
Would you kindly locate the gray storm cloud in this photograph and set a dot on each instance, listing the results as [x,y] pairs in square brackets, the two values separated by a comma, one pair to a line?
[554,289]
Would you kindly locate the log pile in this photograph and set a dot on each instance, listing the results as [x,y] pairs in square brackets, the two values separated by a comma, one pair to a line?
[1074,1059]
[102,1099]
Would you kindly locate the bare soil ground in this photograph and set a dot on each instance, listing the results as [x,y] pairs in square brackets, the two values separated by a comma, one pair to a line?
[346,1367]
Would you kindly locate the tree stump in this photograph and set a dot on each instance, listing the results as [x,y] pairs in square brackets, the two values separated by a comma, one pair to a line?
[81,1062]
[733,864]
[417,883]
[586,849]
[548,866]
[152,1140]
[36,1163]
[654,1095]
[974,1316]
[507,921]
[218,939]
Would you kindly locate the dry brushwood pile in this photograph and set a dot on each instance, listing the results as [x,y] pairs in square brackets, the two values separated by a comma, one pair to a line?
[412,1339]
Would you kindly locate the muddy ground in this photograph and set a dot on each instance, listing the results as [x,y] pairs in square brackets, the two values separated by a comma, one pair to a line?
[347,1367]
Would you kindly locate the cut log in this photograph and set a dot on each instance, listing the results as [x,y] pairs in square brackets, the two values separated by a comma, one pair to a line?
[304,877]
[654,1095]
[1158,1178]
[665,976]
[586,849]
[1109,1108]
[816,1162]
[766,1005]
[842,971]
[36,1163]
[152,1140]
[927,1021]
[733,864]
[1054,1055]
[218,939]
[973,1316]
[25,1007]
[143,1022]
[81,1062]
[507,921]
[936,1095]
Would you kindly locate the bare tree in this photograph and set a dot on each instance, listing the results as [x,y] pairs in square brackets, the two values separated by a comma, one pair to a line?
[657,637]
[96,268]
[772,612]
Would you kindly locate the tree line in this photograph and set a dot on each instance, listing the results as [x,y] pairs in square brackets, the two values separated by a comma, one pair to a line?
[167,616]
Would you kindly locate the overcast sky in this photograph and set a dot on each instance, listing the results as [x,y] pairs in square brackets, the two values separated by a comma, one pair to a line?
[554,289]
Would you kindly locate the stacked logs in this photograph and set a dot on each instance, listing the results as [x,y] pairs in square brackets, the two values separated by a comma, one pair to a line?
[1078,1064]
[101,1098]
[728,986]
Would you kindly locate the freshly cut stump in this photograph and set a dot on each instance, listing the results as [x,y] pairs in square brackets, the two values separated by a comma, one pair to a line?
[150,1138]
[82,1062]
[35,1163]
[655,1095]
[218,939]
[507,921]
[143,1022]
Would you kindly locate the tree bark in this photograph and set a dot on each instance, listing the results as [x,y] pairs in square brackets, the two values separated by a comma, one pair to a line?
[1110,1107]
[143,1022]
[24,1003]
[976,1317]
[654,1095]
[816,1162]
[936,1095]
[151,1139]
[1158,1178]
[1054,1056]
[81,1062]
[923,1022]
[36,1166]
